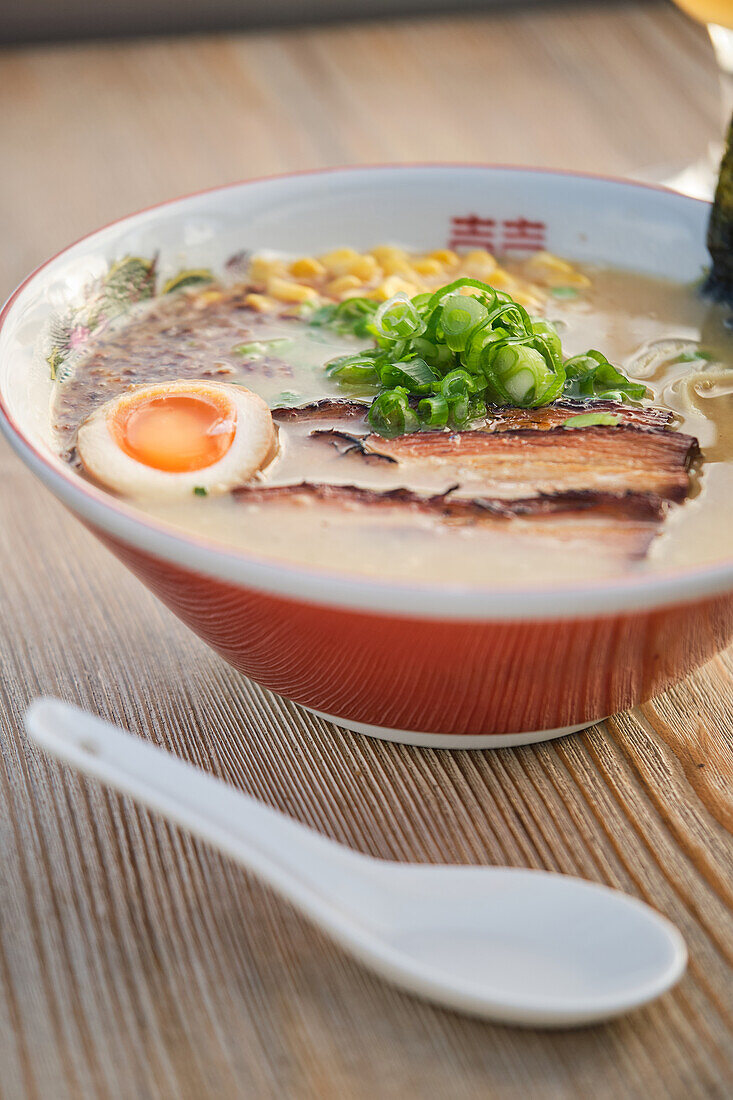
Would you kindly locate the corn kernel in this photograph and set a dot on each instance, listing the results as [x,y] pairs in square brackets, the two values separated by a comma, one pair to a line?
[547,262]
[550,270]
[479,256]
[394,284]
[397,266]
[479,263]
[342,284]
[339,261]
[261,269]
[579,280]
[445,256]
[365,268]
[427,266]
[527,299]
[260,302]
[307,267]
[208,297]
[385,252]
[285,291]
[500,278]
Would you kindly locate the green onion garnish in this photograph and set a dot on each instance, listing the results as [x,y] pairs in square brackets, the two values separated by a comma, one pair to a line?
[591,375]
[693,356]
[547,332]
[414,374]
[591,420]
[455,353]
[398,319]
[257,348]
[433,412]
[352,316]
[354,369]
[458,383]
[199,491]
[390,414]
[460,317]
[254,350]
[522,375]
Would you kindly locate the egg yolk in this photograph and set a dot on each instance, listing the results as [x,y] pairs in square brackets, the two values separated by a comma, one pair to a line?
[176,432]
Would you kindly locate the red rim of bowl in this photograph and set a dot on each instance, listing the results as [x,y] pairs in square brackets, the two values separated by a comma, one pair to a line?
[350,590]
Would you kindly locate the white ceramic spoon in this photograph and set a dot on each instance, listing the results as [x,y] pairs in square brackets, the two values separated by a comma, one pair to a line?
[521,947]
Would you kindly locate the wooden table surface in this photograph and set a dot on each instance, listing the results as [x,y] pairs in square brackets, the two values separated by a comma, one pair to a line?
[137,963]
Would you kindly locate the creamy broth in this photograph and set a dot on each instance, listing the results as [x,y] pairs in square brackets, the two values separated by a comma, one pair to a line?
[642,324]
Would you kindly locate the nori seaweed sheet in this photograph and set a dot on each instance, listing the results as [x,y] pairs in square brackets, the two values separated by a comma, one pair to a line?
[719,283]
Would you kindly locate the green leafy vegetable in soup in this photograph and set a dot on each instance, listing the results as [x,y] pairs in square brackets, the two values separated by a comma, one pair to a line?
[440,359]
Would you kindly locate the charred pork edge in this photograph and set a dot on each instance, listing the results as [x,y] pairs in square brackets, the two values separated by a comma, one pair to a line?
[355,444]
[318,410]
[631,505]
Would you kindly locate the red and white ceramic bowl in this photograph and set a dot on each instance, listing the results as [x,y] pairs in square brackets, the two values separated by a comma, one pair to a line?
[445,666]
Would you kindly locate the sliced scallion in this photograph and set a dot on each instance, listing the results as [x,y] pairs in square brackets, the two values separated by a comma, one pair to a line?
[591,375]
[433,412]
[398,319]
[521,374]
[257,348]
[458,383]
[461,315]
[693,356]
[414,374]
[254,350]
[459,349]
[549,334]
[592,420]
[354,369]
[390,414]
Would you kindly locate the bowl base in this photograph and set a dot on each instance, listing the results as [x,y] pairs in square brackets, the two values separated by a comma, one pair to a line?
[451,740]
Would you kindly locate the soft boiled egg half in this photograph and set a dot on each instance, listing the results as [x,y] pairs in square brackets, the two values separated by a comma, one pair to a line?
[176,438]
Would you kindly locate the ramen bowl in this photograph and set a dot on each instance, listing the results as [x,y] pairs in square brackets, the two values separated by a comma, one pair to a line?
[441,665]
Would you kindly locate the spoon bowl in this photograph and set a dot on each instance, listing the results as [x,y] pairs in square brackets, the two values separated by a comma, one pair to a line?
[525,946]
[515,946]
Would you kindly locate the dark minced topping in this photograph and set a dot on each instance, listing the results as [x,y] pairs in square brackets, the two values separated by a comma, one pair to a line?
[180,336]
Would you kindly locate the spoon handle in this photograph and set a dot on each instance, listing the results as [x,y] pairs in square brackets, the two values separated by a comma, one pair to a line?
[308,869]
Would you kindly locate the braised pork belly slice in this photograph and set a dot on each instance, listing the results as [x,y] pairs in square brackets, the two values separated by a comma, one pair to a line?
[519,463]
[523,474]
[617,525]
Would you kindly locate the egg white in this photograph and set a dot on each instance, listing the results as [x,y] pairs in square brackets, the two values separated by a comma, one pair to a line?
[253,446]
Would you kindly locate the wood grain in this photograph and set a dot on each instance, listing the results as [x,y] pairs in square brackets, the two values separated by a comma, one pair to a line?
[135,962]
